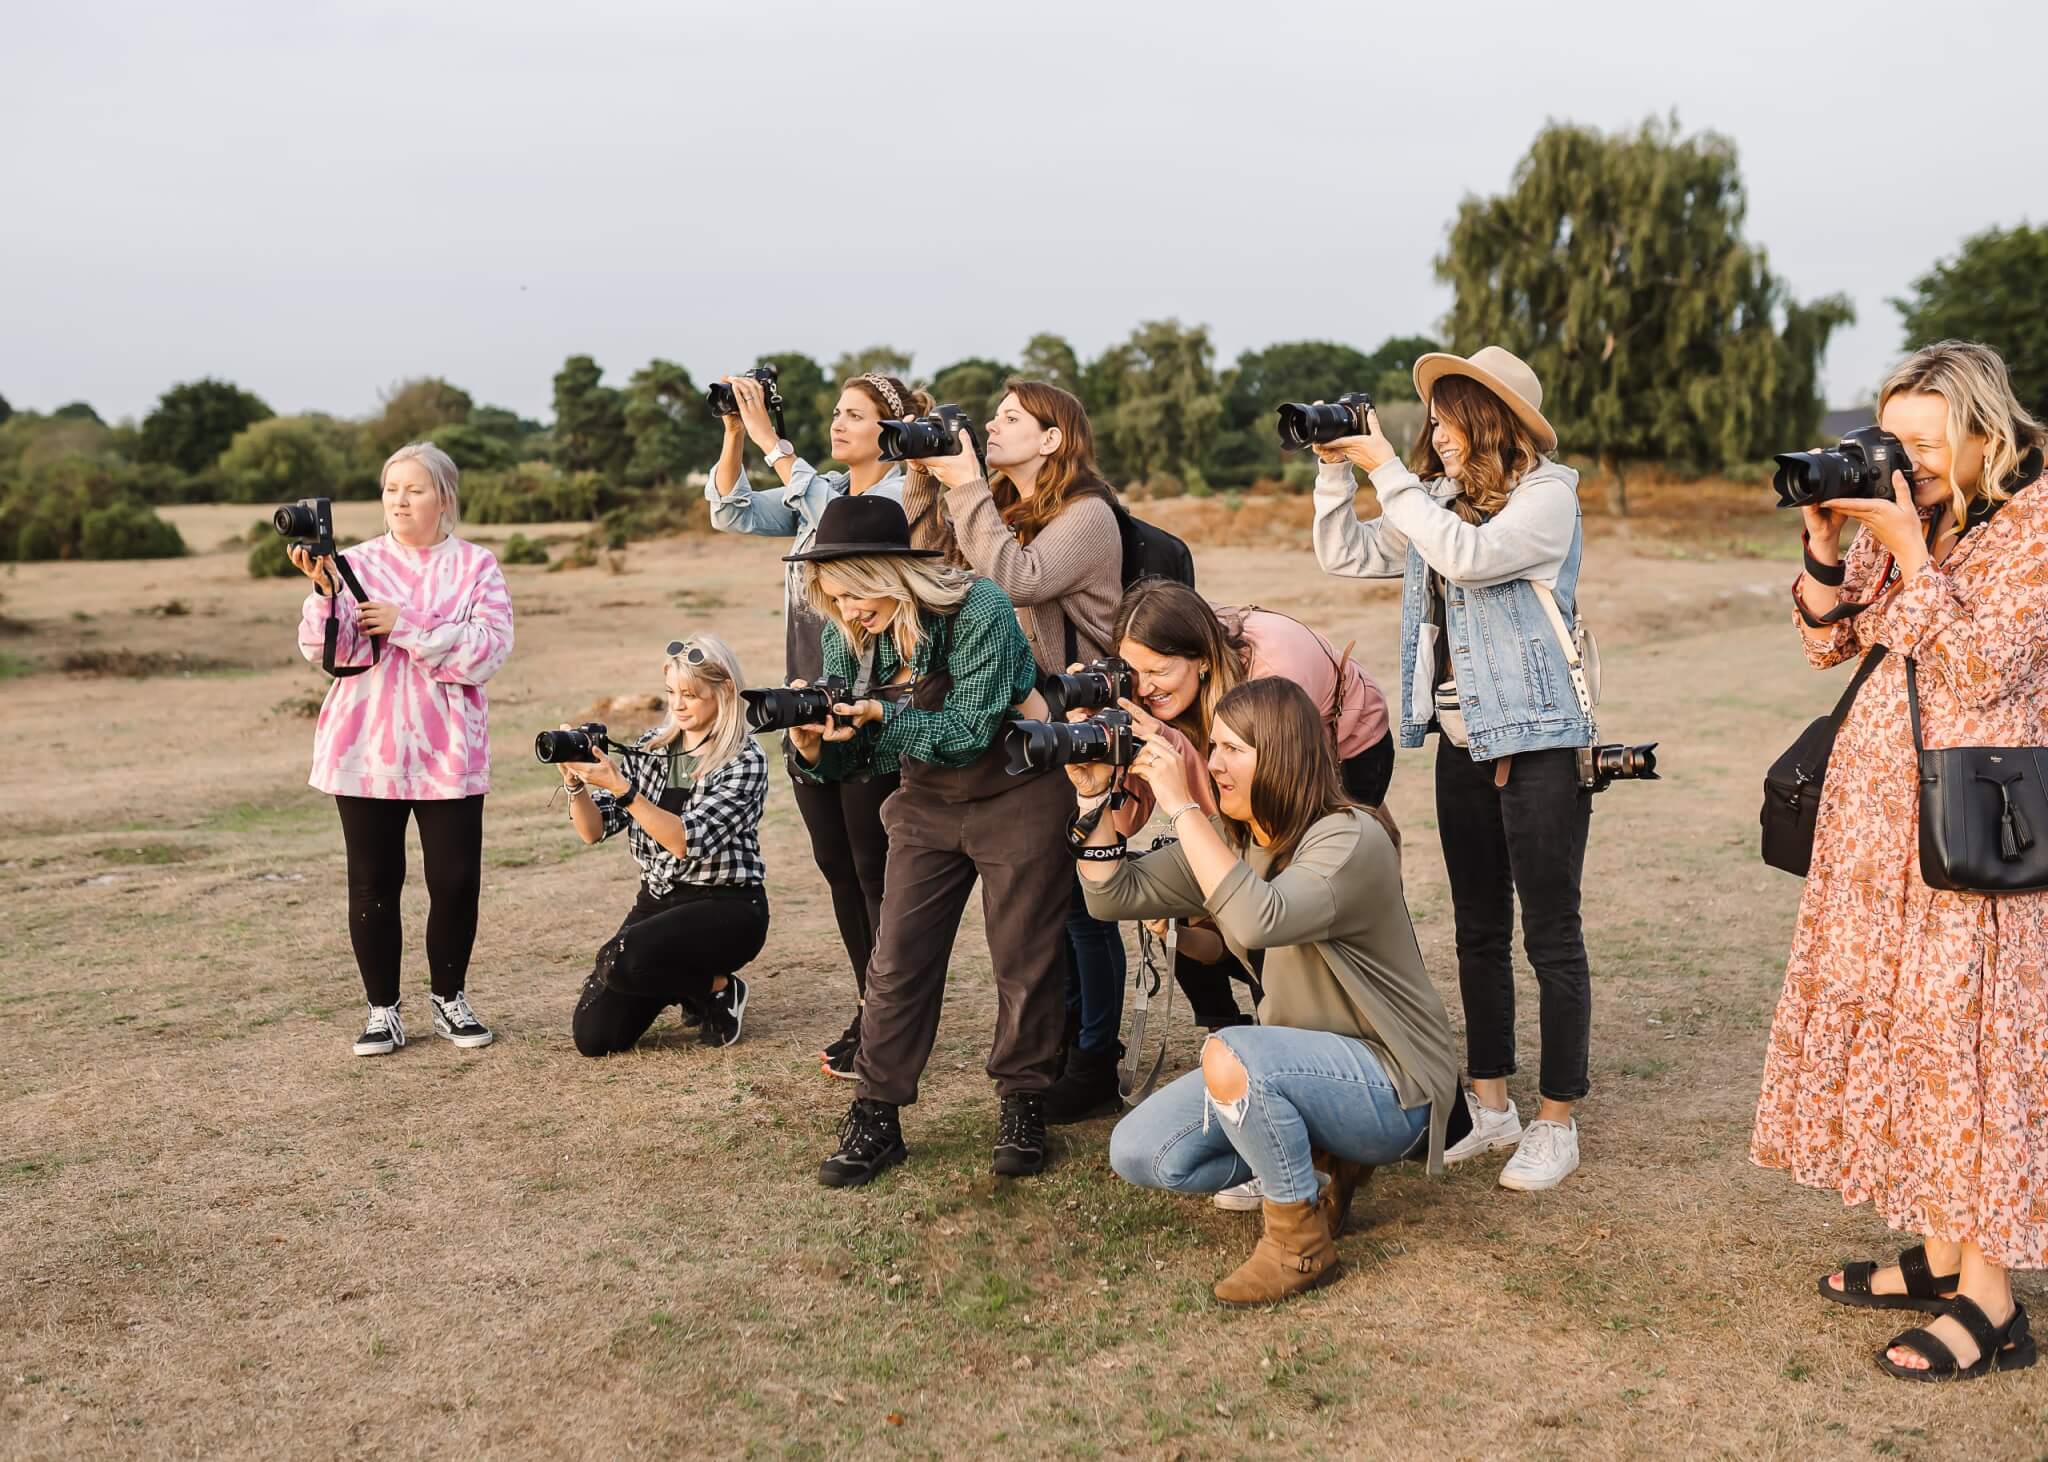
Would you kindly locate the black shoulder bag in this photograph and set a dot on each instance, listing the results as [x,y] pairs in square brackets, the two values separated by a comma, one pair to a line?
[1980,811]
[1792,786]
[355,587]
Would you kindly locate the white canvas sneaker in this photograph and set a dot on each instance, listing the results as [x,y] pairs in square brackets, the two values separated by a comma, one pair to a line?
[1245,1197]
[1549,1154]
[1490,1132]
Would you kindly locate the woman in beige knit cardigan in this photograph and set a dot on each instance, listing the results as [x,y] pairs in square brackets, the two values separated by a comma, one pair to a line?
[1042,525]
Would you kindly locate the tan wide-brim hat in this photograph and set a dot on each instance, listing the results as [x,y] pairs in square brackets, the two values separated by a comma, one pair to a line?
[1507,376]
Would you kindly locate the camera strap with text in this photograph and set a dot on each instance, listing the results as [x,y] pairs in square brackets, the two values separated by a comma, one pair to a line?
[333,632]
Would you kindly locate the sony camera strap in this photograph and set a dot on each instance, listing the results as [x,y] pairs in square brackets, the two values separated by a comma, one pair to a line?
[333,630]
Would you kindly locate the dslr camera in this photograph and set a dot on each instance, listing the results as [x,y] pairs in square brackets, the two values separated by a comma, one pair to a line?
[307,523]
[1615,762]
[1036,746]
[1861,466]
[582,744]
[1095,686]
[781,706]
[723,403]
[1311,423]
[937,435]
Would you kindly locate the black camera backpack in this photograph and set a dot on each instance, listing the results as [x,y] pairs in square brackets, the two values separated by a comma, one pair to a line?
[1149,552]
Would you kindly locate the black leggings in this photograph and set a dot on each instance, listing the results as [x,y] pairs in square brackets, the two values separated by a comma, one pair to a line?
[845,823]
[670,951]
[452,847]
[1366,777]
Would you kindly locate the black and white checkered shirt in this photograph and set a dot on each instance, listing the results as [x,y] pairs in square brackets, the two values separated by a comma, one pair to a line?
[721,819]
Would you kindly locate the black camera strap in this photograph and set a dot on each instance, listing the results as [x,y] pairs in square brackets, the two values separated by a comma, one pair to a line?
[333,631]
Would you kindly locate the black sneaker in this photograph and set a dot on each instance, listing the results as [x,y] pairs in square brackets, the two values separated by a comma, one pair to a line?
[869,1140]
[383,1033]
[1088,1087]
[849,1039]
[1020,1136]
[724,1012]
[455,1021]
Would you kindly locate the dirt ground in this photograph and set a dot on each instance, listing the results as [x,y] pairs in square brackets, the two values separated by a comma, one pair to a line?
[223,1235]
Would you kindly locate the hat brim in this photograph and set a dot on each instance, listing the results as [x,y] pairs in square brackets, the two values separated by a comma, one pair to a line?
[1429,369]
[860,550]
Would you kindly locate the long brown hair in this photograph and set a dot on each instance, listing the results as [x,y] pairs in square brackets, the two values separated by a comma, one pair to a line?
[1296,782]
[1068,473]
[1499,449]
[1170,618]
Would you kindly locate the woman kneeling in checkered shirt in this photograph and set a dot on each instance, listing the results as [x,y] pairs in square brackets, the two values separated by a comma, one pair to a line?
[689,795]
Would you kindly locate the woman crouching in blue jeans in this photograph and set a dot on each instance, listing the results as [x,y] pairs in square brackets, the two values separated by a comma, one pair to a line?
[1351,1065]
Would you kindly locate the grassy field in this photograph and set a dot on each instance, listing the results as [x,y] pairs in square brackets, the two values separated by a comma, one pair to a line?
[223,1235]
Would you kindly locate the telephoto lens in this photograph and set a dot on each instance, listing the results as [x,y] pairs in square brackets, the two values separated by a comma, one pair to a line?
[1861,466]
[582,744]
[1617,762]
[937,435]
[1036,746]
[780,707]
[1095,685]
[1311,423]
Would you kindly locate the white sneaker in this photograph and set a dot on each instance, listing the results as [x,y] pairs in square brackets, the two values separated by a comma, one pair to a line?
[454,1020]
[1548,1155]
[1490,1132]
[382,1034]
[1243,1198]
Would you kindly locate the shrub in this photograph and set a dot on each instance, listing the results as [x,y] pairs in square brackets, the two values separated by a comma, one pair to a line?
[45,514]
[279,459]
[268,558]
[128,529]
[521,549]
[532,492]
[1300,475]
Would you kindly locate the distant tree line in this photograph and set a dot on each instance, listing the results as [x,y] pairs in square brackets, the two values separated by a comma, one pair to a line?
[1616,264]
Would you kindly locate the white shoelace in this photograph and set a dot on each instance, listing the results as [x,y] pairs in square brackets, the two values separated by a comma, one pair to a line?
[1541,1140]
[385,1018]
[458,1012]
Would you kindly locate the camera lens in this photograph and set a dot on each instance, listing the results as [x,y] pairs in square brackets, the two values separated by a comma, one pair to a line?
[296,521]
[1307,423]
[554,746]
[781,707]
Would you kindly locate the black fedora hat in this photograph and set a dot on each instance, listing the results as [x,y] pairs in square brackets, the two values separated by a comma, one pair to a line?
[861,526]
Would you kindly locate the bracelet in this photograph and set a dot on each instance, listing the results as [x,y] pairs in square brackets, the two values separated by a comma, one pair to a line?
[1175,815]
[1829,574]
[625,799]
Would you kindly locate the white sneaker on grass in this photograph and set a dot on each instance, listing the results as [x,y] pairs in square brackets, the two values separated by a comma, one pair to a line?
[1490,1132]
[1248,1196]
[382,1034]
[455,1021]
[1549,1153]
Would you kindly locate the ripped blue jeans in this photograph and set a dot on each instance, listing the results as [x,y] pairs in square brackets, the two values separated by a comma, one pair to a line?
[1307,1089]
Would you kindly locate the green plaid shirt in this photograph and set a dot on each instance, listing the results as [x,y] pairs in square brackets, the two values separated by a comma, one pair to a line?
[992,669]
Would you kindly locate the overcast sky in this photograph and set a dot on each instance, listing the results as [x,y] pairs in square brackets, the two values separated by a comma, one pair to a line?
[316,199]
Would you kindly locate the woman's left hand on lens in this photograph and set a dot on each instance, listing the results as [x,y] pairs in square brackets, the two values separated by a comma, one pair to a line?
[1895,522]
[957,470]
[601,773]
[754,412]
[377,617]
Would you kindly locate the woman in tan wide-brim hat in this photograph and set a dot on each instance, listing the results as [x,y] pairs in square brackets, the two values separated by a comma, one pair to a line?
[1485,533]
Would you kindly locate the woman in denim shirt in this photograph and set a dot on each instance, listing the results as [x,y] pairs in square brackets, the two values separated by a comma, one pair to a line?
[844,818]
[1485,520]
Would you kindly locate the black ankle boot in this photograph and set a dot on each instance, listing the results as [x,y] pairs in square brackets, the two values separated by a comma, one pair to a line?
[1087,1089]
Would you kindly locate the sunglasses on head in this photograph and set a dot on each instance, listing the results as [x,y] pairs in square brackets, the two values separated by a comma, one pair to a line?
[692,655]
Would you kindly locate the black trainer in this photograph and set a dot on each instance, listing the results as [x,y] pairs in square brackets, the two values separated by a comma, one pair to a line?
[1020,1136]
[724,1012]
[1088,1087]
[869,1140]
[837,1058]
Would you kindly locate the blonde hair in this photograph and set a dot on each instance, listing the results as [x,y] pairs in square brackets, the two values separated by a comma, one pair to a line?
[1972,381]
[914,583]
[441,468]
[720,675]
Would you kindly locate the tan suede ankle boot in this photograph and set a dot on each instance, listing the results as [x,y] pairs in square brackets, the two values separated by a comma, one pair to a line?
[1294,1254]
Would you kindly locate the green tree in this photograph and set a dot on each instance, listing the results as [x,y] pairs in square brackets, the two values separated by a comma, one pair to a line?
[1050,358]
[279,459]
[5,411]
[474,448]
[1393,366]
[413,410]
[1992,291]
[194,422]
[1168,407]
[974,383]
[1616,266]
[590,420]
[672,431]
[77,411]
[803,385]
[1246,447]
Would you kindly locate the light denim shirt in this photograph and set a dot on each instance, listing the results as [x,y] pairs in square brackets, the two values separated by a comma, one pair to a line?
[791,512]
[1511,673]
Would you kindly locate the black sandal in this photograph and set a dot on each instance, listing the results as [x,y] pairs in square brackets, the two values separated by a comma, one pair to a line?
[1999,1348]
[1926,1291]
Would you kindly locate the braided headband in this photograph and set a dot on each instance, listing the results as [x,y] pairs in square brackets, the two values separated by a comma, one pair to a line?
[889,394]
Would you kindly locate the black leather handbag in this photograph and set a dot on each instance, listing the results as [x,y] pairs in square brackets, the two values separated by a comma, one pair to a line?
[1983,810]
[1792,786]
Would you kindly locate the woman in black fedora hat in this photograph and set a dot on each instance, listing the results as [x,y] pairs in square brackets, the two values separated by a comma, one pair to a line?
[938,665]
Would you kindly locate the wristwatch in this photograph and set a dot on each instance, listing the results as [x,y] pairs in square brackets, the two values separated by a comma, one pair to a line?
[625,798]
[781,449]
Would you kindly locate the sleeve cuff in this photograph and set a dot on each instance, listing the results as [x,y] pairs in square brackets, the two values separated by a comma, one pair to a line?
[1392,476]
[1336,477]
[409,625]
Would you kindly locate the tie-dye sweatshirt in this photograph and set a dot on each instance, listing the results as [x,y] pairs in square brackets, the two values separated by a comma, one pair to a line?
[418,726]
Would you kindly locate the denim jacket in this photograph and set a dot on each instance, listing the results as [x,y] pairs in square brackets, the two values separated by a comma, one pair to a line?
[791,511]
[1510,670]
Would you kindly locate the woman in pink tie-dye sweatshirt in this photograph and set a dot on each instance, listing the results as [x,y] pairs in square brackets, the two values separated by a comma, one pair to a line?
[410,737]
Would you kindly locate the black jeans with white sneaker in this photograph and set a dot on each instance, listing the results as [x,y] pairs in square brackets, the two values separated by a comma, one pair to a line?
[670,951]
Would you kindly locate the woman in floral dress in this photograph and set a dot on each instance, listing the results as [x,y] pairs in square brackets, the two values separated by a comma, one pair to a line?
[1908,1062]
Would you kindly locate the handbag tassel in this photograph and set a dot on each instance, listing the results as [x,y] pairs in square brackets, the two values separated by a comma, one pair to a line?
[2014,835]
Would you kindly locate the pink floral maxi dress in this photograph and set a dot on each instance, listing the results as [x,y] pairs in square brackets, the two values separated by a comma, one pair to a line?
[1908,1061]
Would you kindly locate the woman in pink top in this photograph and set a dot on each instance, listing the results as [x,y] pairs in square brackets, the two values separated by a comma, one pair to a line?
[409,736]
[1186,656]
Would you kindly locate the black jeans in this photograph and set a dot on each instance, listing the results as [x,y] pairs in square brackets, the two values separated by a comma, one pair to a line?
[1526,839]
[1095,975]
[452,847]
[668,952]
[1367,775]
[845,823]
